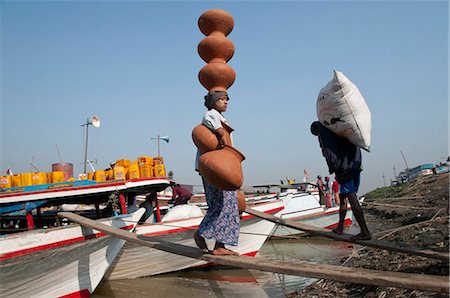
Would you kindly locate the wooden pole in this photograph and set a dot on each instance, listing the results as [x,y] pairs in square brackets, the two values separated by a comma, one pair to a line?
[444,256]
[123,205]
[399,206]
[345,274]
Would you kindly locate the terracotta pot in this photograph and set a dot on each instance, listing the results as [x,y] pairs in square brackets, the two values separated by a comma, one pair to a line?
[204,138]
[216,48]
[241,202]
[217,76]
[222,168]
[216,20]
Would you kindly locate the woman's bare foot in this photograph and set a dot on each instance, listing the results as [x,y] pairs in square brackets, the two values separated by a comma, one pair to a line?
[200,241]
[222,251]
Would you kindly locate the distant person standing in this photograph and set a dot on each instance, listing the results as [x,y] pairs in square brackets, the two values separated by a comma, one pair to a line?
[335,191]
[320,188]
[344,159]
[327,192]
[180,195]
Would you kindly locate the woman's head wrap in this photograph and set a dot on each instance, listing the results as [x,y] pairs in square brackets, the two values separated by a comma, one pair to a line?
[212,97]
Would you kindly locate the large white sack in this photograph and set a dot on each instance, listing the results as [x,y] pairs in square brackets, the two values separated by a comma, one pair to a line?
[342,109]
[182,212]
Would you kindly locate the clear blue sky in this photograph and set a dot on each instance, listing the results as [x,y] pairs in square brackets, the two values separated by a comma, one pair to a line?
[135,65]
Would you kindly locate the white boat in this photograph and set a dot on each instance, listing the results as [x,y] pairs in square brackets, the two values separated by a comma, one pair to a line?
[137,261]
[303,206]
[31,206]
[68,261]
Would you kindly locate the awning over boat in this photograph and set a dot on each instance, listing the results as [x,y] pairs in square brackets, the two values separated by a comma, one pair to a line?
[28,206]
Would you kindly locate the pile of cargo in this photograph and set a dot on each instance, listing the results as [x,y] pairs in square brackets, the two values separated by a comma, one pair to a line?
[29,179]
[123,169]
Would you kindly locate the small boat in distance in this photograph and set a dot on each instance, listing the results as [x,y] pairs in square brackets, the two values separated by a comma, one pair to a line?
[302,204]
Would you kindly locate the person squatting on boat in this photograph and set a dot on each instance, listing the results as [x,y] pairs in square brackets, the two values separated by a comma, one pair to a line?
[221,221]
[180,195]
[148,204]
[344,159]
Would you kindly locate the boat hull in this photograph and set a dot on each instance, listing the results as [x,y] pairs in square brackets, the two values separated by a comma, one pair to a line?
[305,207]
[136,261]
[60,262]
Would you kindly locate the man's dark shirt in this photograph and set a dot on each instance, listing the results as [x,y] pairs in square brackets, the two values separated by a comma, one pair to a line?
[343,157]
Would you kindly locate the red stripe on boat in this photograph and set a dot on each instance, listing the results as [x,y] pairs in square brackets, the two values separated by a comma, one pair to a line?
[30,250]
[80,294]
[347,223]
[171,231]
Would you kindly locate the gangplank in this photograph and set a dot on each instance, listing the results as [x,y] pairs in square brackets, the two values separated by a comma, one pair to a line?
[338,273]
[444,256]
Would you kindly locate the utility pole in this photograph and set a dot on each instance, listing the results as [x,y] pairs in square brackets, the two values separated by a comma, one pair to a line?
[384,181]
[404,159]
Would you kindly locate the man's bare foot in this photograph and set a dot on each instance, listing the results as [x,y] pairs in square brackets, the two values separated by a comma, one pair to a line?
[361,236]
[200,241]
[222,251]
[337,231]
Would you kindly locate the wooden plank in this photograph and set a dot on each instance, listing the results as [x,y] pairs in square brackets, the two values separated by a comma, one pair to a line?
[401,198]
[338,273]
[444,256]
[399,206]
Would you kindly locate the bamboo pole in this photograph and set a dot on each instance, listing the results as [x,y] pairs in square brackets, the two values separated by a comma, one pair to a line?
[444,256]
[398,206]
[344,274]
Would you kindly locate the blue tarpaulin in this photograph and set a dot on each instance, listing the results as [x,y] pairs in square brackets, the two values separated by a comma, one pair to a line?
[28,206]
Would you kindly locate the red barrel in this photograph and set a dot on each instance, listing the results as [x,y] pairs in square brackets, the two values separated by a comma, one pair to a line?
[66,168]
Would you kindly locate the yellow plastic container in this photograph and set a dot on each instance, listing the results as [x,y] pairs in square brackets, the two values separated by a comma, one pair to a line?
[39,178]
[123,163]
[160,170]
[57,176]
[146,171]
[26,179]
[16,181]
[119,173]
[109,174]
[145,160]
[5,181]
[133,171]
[158,160]
[100,176]
[90,175]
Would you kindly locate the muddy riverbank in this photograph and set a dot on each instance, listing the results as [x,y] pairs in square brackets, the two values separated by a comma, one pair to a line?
[414,213]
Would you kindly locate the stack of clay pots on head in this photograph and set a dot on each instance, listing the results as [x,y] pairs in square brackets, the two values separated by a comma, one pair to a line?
[219,166]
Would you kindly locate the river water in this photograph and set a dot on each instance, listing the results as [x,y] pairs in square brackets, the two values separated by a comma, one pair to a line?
[234,282]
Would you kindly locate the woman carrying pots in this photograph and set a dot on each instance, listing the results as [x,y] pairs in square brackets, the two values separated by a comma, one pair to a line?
[221,221]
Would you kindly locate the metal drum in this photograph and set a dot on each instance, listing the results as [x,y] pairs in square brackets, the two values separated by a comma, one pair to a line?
[66,168]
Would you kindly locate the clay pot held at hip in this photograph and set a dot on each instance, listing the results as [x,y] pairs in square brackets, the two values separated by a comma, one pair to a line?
[205,140]
[222,168]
